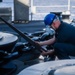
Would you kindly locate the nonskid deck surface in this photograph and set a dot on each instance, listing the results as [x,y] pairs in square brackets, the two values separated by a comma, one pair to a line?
[29,28]
[21,64]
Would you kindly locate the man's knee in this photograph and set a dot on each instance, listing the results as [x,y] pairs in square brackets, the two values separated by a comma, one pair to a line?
[56,46]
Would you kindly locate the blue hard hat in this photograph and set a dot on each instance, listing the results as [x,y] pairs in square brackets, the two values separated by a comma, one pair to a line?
[49,19]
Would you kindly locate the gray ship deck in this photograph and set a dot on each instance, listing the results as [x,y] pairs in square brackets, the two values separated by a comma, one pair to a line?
[30,28]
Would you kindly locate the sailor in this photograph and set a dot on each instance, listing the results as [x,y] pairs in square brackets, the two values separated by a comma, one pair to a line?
[64,39]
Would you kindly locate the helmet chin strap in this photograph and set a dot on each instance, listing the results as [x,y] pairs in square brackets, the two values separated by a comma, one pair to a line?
[56,24]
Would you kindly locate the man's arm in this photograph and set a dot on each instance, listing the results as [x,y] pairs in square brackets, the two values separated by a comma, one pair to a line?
[47,42]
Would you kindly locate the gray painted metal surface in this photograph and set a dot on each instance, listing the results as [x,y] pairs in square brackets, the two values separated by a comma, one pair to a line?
[21,10]
[47,68]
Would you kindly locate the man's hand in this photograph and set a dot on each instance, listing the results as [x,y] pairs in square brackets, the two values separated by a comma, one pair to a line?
[40,43]
[49,52]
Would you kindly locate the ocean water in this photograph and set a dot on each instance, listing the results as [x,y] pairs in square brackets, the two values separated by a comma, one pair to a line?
[42,7]
[46,6]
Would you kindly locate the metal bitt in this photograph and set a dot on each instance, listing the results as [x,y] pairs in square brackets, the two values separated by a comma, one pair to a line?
[36,45]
